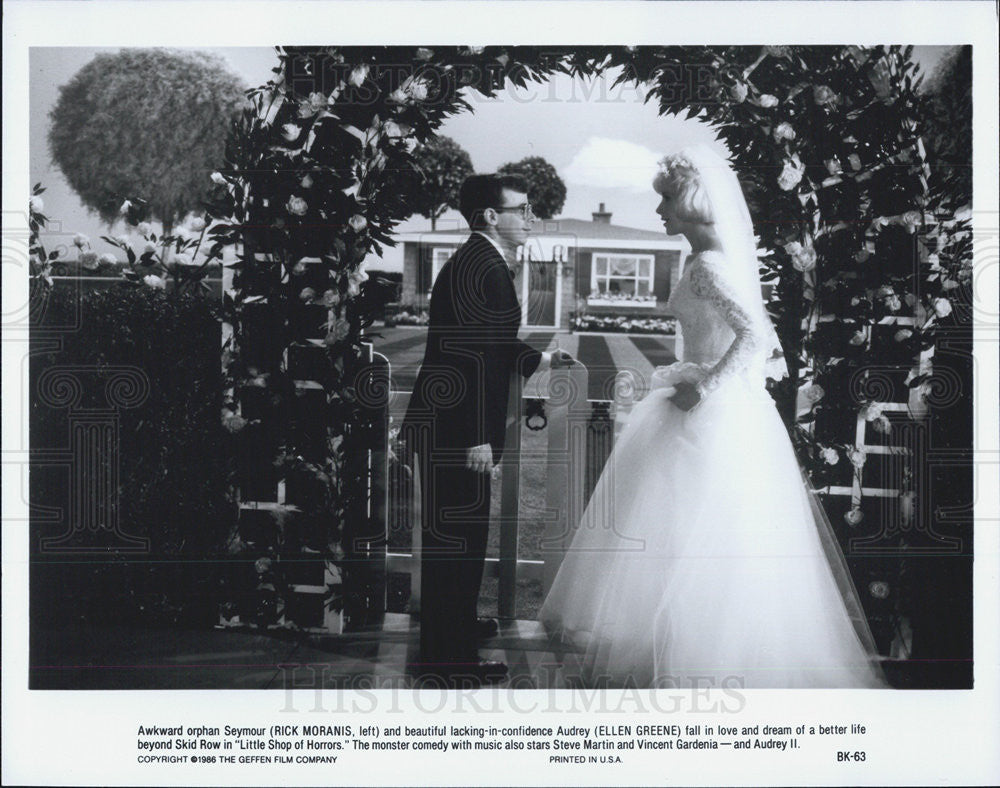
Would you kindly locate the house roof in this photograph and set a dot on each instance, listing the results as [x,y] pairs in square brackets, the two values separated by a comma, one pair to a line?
[585,230]
[570,232]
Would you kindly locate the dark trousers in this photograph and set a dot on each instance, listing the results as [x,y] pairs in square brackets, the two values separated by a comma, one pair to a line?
[455,526]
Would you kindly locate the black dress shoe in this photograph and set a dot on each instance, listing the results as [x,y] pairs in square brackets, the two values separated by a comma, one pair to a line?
[487,628]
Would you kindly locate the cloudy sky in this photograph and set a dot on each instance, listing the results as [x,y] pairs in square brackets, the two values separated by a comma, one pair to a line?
[604,142]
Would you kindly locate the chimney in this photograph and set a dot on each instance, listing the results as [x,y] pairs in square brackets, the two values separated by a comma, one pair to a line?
[601,216]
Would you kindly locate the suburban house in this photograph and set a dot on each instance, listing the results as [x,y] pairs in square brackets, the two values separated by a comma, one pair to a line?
[568,266]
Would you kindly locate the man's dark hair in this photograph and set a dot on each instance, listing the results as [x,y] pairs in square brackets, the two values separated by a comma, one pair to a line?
[480,192]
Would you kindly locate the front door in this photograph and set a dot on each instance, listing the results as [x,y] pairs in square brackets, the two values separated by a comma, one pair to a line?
[541,293]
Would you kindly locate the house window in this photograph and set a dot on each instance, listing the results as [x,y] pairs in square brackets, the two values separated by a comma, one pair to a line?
[439,256]
[618,278]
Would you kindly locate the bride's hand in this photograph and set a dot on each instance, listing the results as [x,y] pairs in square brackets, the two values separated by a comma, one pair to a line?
[686,395]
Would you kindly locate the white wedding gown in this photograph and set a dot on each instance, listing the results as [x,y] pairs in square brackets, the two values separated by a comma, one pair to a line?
[702,559]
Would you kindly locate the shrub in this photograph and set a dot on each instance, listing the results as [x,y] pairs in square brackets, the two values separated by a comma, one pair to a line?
[174,458]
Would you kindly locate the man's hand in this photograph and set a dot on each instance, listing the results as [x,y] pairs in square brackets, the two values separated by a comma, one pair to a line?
[479,458]
[560,358]
[686,396]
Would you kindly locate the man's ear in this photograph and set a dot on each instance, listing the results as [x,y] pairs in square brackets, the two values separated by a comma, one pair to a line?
[491,216]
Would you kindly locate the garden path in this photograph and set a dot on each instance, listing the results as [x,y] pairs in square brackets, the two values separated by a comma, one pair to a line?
[604,355]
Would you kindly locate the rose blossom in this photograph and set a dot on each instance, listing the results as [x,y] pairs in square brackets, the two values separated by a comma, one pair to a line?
[317,101]
[803,257]
[394,130]
[154,281]
[218,179]
[307,295]
[942,307]
[197,224]
[306,181]
[912,220]
[123,240]
[339,331]
[416,89]
[354,280]
[144,229]
[856,456]
[359,75]
[784,131]
[767,101]
[854,517]
[882,424]
[893,303]
[37,204]
[830,456]
[290,132]
[108,259]
[296,206]
[813,393]
[358,222]
[738,92]
[791,174]
[423,53]
[183,259]
[233,423]
[81,240]
[871,411]
[89,261]
[823,95]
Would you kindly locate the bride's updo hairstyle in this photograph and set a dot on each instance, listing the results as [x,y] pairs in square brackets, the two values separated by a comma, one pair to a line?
[678,177]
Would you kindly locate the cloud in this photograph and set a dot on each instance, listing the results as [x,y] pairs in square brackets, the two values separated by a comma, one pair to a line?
[613,164]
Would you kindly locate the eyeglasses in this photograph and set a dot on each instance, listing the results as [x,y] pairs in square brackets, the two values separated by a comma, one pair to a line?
[524,210]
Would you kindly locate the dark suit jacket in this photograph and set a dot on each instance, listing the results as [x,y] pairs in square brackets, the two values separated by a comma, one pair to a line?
[461,391]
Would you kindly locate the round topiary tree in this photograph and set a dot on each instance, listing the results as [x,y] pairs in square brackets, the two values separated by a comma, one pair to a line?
[144,122]
[440,165]
[546,189]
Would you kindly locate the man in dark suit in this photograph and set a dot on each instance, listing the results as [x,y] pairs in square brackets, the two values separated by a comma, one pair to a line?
[456,422]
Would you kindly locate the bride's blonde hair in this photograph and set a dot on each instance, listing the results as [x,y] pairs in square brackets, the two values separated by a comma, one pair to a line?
[679,177]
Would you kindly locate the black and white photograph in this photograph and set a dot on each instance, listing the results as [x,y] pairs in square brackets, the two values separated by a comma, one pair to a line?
[508,387]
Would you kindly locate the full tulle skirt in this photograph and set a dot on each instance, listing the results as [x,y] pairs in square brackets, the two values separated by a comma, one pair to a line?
[699,561]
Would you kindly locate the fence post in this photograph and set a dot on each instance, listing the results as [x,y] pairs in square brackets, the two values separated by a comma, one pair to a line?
[566,462]
[510,495]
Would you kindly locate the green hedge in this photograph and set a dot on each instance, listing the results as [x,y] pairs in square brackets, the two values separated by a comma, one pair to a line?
[175,460]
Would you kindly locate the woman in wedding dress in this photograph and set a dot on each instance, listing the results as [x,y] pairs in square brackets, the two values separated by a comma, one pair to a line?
[702,559]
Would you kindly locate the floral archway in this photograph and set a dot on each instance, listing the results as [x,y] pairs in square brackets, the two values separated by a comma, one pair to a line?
[825,139]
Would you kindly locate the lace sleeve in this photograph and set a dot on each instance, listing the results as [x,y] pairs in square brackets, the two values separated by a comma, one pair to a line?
[708,283]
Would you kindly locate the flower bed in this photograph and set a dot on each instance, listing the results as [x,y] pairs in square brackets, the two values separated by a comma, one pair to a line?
[399,315]
[622,324]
